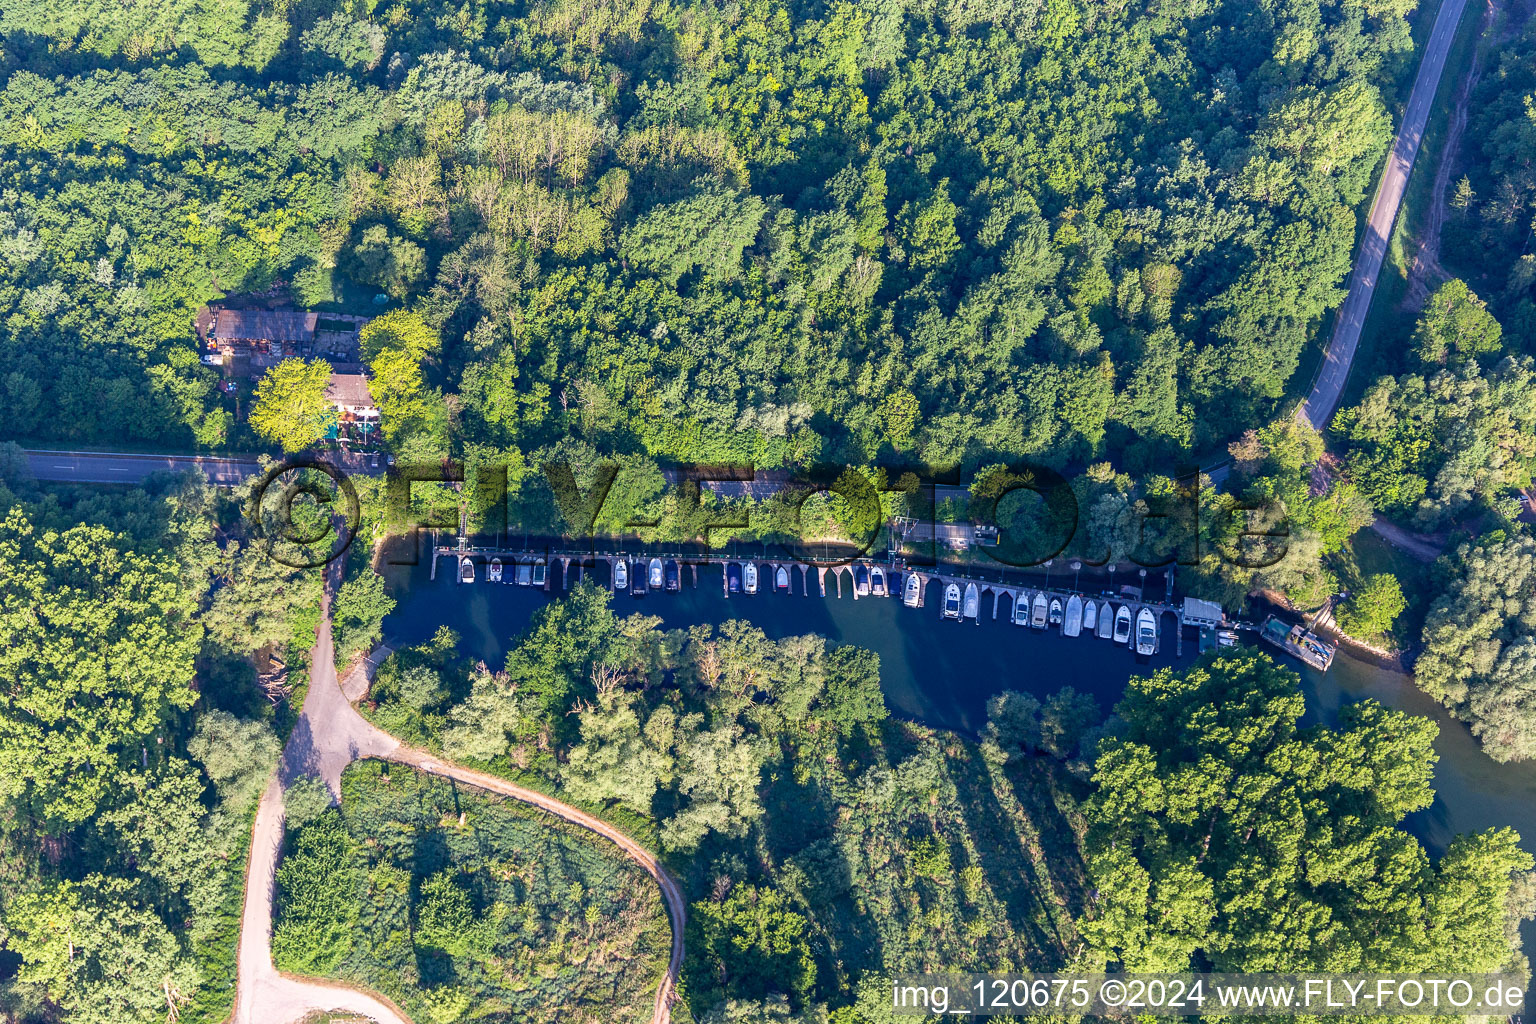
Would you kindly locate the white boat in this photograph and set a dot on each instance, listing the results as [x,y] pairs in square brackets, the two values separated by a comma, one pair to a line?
[972,603]
[1146,632]
[1021,610]
[1072,625]
[466,571]
[1055,611]
[951,601]
[493,573]
[621,575]
[1122,625]
[540,572]
[860,581]
[912,590]
[749,578]
[1090,616]
[1037,612]
[656,574]
[781,579]
[877,582]
[1106,620]
[524,574]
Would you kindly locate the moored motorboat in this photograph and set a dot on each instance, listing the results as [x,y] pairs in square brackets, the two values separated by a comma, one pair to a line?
[861,581]
[621,575]
[540,572]
[1072,625]
[1299,642]
[912,590]
[637,581]
[749,578]
[1055,611]
[1037,612]
[1106,621]
[674,575]
[952,601]
[972,608]
[1122,624]
[1021,610]
[466,570]
[1146,632]
[781,579]
[877,581]
[493,571]
[733,577]
[656,574]
[1090,616]
[523,574]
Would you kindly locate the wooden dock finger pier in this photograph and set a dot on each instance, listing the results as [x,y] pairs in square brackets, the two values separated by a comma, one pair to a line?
[575,566]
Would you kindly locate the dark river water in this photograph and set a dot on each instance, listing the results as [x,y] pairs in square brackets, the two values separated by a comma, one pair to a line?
[942,672]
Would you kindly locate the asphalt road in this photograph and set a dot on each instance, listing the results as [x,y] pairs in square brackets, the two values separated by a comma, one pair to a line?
[1319,407]
[63,466]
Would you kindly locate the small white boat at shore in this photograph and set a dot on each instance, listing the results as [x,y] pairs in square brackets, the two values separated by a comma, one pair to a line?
[621,574]
[1106,621]
[540,572]
[877,581]
[1072,625]
[1021,610]
[466,570]
[1090,616]
[781,579]
[1146,632]
[1037,612]
[972,608]
[523,574]
[952,601]
[655,570]
[493,572]
[1055,611]
[912,590]
[1122,625]
[749,578]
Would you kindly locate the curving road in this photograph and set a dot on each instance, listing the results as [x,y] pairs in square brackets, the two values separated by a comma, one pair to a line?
[1319,407]
[330,735]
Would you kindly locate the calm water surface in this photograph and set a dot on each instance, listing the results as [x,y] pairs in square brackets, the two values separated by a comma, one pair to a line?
[941,672]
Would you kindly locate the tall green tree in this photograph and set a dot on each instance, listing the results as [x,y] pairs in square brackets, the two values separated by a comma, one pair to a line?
[97,643]
[290,407]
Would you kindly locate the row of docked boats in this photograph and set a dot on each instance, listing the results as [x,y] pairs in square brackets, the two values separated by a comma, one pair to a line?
[640,575]
[525,572]
[1074,617]
[751,578]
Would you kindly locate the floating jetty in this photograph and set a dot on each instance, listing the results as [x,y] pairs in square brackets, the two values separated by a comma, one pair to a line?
[1298,642]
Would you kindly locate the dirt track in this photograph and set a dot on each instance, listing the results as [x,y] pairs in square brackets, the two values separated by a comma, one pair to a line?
[330,735]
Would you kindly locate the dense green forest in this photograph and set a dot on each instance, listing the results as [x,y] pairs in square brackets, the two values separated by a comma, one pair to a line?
[825,846]
[135,736]
[1094,235]
[771,231]
[822,845]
